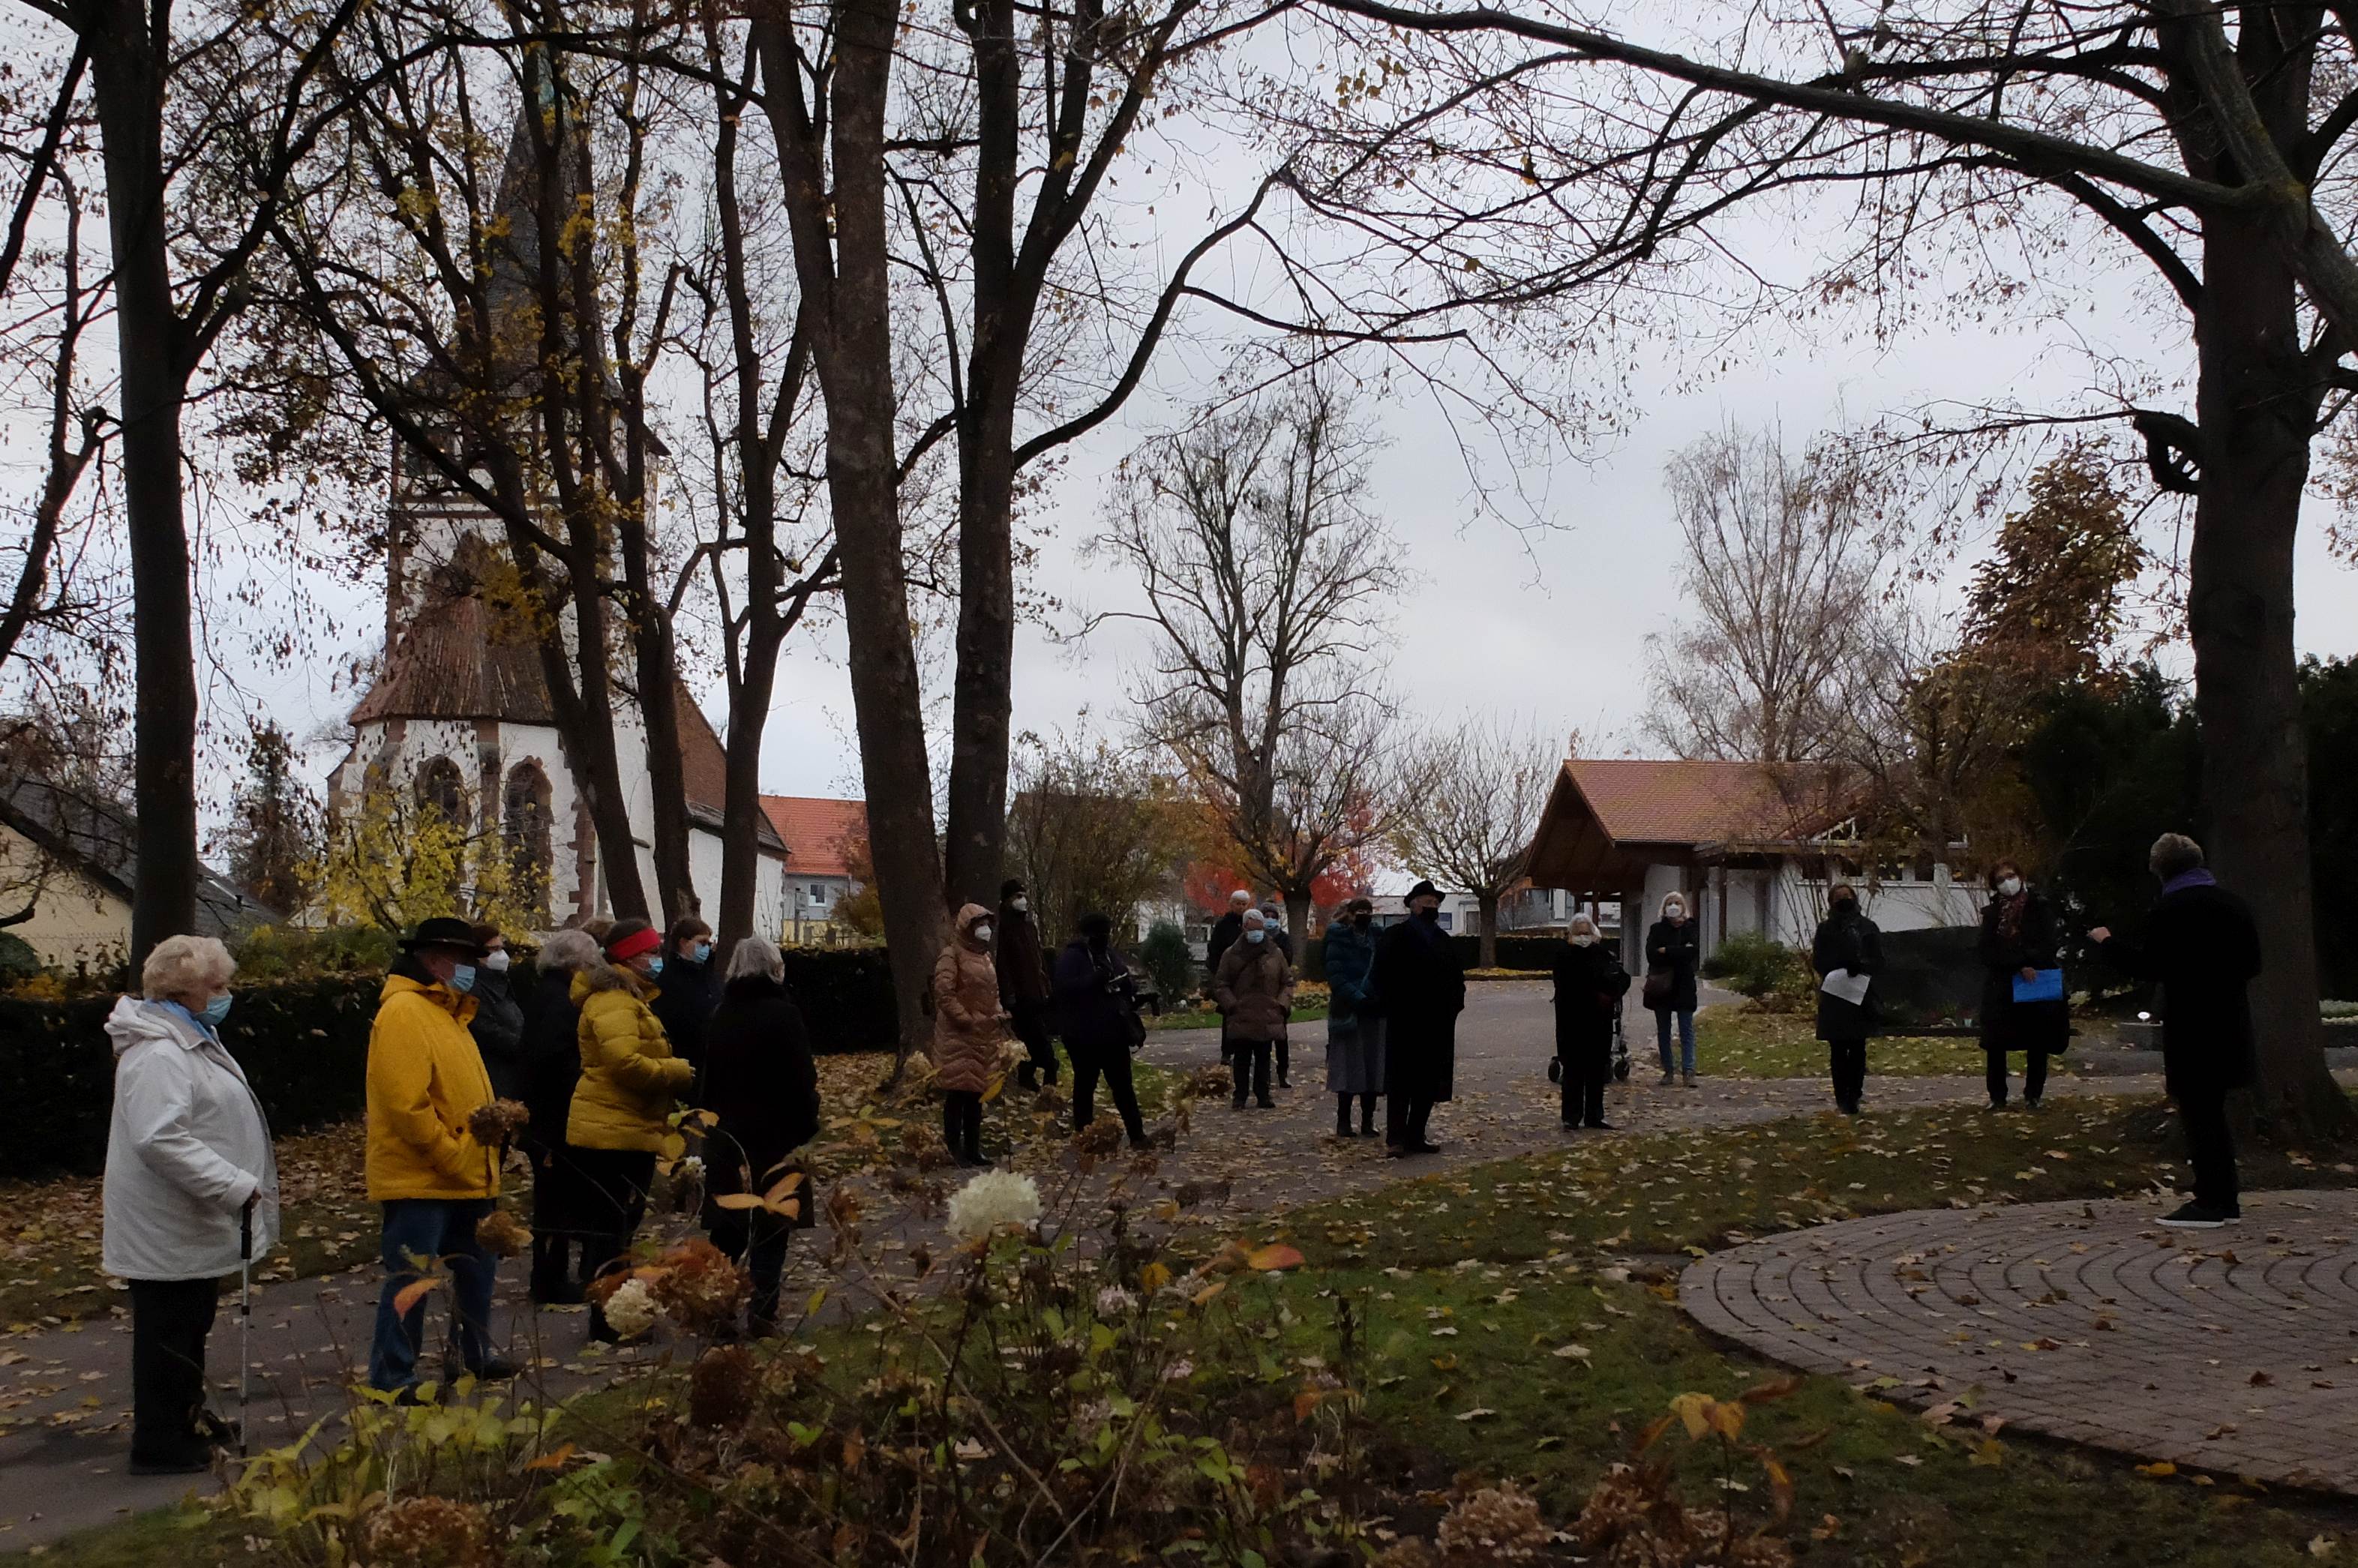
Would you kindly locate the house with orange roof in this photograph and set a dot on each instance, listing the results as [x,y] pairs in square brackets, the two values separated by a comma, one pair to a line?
[1753,846]
[825,844]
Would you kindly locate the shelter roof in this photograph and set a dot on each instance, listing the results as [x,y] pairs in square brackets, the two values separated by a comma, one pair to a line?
[1607,819]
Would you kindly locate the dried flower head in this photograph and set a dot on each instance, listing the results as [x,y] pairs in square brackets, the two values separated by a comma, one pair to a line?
[1115,1302]
[721,1387]
[501,1234]
[992,1200]
[425,1532]
[1496,1524]
[923,1147]
[699,1288]
[498,1121]
[630,1309]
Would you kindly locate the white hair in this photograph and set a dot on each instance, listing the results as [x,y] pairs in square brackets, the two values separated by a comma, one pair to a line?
[1673,896]
[1582,923]
[188,969]
[756,956]
[1255,920]
[567,953]
[1242,895]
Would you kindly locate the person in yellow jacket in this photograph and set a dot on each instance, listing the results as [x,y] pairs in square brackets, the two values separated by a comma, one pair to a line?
[621,1107]
[434,1181]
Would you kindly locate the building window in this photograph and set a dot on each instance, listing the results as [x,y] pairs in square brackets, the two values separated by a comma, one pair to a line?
[442,790]
[525,831]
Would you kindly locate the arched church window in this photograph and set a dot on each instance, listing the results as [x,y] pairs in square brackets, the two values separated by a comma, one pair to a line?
[442,790]
[525,829]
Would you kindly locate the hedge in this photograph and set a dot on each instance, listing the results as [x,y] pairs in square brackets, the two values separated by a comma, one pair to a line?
[1535,952]
[304,1046]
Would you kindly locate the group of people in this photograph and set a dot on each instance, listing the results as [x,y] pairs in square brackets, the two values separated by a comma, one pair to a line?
[2201,944]
[623,1025]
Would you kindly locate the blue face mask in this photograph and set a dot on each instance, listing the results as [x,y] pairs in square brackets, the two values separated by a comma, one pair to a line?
[1255,935]
[655,966]
[215,1010]
[704,952]
[462,979]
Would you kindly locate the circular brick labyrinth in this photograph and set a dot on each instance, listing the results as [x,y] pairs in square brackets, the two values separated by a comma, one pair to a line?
[2232,1350]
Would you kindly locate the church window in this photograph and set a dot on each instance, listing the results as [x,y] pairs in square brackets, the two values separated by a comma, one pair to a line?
[525,829]
[442,790]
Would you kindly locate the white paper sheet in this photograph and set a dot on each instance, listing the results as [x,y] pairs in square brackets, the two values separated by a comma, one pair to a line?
[1842,983]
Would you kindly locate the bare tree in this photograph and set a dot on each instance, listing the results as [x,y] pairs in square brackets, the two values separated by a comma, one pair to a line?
[1474,802]
[2212,141]
[1090,827]
[1782,566]
[1264,571]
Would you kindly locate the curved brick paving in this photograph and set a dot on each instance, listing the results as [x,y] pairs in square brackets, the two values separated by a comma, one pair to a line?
[2231,1350]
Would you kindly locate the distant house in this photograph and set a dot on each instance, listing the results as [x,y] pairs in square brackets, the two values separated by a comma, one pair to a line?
[824,841]
[69,860]
[1753,846]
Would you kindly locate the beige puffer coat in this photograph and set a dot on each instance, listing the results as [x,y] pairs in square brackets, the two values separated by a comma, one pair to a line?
[1255,990]
[968,1026]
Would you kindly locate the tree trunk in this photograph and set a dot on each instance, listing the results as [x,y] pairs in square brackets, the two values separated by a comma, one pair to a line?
[585,721]
[659,707]
[1297,917]
[2256,405]
[847,285]
[741,828]
[1486,904]
[127,84]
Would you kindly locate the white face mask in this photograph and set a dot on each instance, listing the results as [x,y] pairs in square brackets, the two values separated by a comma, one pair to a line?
[1674,912]
[496,962]
[1255,935]
[1020,905]
[1584,940]
[2009,885]
[982,933]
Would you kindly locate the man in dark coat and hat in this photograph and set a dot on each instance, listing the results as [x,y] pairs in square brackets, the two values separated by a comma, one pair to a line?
[2202,943]
[1423,988]
[1021,959]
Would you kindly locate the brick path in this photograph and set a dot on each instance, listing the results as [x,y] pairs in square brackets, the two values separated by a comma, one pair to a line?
[2231,1350]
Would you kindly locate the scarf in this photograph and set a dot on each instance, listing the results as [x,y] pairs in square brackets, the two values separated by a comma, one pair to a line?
[2197,878]
[2009,914]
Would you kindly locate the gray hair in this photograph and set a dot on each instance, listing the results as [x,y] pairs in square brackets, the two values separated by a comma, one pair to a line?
[1580,922]
[192,970]
[1255,920]
[567,953]
[2174,855]
[756,956]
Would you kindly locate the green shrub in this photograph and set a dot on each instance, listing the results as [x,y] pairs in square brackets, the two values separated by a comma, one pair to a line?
[17,959]
[273,952]
[1168,963]
[1777,978]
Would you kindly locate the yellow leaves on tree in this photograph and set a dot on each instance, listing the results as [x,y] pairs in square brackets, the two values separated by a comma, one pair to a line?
[394,859]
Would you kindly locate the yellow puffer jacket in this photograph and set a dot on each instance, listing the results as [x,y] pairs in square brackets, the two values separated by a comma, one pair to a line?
[628,1076]
[424,1079]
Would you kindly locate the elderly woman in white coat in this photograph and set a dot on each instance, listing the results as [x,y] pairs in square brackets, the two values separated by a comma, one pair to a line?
[187,1162]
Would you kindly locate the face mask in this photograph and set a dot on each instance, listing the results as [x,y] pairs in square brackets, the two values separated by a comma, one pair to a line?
[1256,936]
[655,966]
[215,1010]
[462,979]
[496,962]
[1674,913]
[704,952]
[1022,906]
[982,933]
[1428,914]
[1362,920]
[2009,885]
[1845,905]
[1584,940]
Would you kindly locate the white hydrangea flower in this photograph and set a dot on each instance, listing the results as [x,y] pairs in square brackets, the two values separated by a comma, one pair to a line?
[993,1199]
[692,1168]
[1115,1302]
[631,1311]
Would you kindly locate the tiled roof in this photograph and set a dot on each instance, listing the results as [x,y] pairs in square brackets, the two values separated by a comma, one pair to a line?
[819,833]
[456,662]
[1644,802]
[99,839]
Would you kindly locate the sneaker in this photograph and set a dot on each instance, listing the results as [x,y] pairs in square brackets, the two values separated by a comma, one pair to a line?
[2197,1216]
[1599,1125]
[2030,1102]
[1569,1125]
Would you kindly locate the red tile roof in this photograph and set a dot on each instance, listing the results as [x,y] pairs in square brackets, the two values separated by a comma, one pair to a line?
[820,834]
[1641,802]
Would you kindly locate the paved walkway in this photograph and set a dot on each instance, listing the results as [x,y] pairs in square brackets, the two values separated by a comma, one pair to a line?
[68,1392]
[2230,1350]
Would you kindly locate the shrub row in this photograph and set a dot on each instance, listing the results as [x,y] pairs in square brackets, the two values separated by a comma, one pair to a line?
[1534,953]
[304,1046]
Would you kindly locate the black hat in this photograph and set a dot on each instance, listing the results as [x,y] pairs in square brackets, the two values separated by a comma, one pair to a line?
[1421,888]
[1010,888]
[443,931]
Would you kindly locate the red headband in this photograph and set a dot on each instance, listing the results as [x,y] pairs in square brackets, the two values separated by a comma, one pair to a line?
[644,940]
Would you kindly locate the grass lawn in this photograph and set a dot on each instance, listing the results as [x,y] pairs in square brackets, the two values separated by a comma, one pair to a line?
[1731,1042]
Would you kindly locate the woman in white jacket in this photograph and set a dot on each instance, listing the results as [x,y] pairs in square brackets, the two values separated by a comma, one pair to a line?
[187,1159]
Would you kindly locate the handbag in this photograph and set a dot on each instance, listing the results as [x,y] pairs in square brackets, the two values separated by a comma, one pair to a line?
[1657,988]
[2048,987]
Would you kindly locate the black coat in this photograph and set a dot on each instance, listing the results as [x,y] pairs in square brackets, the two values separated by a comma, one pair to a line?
[1423,989]
[1677,951]
[759,1082]
[1846,940]
[2037,943]
[1225,931]
[552,1056]
[1096,998]
[498,1030]
[2200,942]
[1589,985]
[686,994]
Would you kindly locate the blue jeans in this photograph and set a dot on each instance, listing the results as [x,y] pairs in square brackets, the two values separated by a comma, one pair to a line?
[432,1228]
[1686,1038]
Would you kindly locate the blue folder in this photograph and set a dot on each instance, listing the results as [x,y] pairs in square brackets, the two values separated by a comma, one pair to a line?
[2048,987]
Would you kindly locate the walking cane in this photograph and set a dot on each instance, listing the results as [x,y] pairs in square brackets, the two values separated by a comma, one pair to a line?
[244,1315]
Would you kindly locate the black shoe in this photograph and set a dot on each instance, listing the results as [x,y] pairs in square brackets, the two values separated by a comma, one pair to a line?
[1997,1105]
[496,1369]
[190,1461]
[1569,1125]
[1847,1107]
[2200,1216]
[1599,1125]
[2030,1102]
[1141,1140]
[1265,1103]
[1238,1103]
[1421,1147]
[1368,1127]
[1284,1082]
